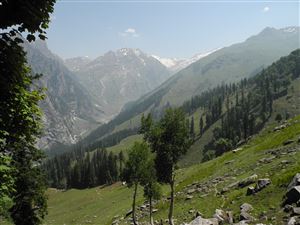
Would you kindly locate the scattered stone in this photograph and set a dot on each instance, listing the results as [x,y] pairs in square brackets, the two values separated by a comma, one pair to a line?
[191,191]
[229,162]
[246,207]
[250,190]
[293,195]
[220,215]
[188,197]
[296,210]
[191,211]
[246,216]
[241,223]
[237,150]
[294,182]
[201,221]
[287,208]
[267,160]
[247,181]
[285,162]
[295,220]
[262,183]
[287,142]
[279,127]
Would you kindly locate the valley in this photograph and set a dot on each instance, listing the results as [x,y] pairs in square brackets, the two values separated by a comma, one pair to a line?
[149,112]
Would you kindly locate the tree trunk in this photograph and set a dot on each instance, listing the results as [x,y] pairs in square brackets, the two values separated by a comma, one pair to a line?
[133,204]
[171,203]
[151,217]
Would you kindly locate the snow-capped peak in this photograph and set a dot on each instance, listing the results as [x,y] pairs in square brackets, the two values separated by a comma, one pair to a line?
[168,62]
[175,64]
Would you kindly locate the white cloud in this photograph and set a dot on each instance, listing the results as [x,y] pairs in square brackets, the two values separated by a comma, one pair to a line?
[266,9]
[129,32]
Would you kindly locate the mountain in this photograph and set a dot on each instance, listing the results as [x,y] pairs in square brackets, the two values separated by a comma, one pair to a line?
[227,65]
[69,111]
[77,63]
[118,77]
[174,64]
[82,93]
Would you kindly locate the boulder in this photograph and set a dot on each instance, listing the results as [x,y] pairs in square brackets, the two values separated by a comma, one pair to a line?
[246,207]
[201,221]
[294,182]
[250,190]
[247,181]
[188,197]
[246,216]
[296,210]
[221,215]
[295,220]
[262,183]
[293,195]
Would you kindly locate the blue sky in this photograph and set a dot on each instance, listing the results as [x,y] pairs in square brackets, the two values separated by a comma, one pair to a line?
[168,29]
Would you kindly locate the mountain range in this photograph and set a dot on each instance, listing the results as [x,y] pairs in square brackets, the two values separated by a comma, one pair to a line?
[226,65]
[82,94]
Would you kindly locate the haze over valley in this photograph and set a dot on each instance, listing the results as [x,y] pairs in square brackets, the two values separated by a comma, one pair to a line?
[149,112]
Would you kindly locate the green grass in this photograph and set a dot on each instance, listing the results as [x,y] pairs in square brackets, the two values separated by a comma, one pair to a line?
[100,205]
[125,144]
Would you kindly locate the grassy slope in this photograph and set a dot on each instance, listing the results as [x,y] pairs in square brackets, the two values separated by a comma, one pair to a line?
[100,205]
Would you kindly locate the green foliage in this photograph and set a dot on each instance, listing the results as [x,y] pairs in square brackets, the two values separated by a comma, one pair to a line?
[136,165]
[20,115]
[31,17]
[6,185]
[169,139]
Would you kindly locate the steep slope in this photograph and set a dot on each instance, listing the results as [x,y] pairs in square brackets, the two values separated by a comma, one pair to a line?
[77,63]
[69,112]
[204,182]
[232,63]
[119,77]
[226,65]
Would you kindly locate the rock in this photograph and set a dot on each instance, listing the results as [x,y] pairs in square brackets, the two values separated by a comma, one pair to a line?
[191,211]
[287,142]
[250,190]
[267,160]
[287,208]
[296,210]
[295,220]
[191,191]
[241,223]
[229,162]
[201,221]
[262,183]
[188,197]
[246,216]
[293,195]
[279,127]
[246,207]
[294,182]
[237,150]
[198,214]
[249,180]
[220,215]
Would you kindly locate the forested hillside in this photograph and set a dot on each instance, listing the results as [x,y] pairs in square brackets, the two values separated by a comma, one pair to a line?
[240,110]
[227,65]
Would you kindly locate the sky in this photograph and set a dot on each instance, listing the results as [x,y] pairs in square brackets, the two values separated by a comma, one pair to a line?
[175,28]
